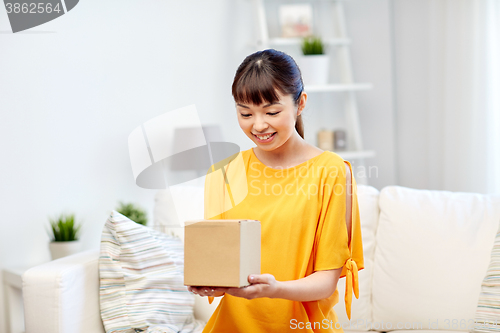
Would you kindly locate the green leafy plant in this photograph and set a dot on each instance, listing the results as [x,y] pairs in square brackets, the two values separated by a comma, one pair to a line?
[64,228]
[133,212]
[312,45]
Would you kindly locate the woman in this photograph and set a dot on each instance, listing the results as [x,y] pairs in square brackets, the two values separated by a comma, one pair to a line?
[305,199]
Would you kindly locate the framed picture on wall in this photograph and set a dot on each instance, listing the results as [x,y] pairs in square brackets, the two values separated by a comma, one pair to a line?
[295,20]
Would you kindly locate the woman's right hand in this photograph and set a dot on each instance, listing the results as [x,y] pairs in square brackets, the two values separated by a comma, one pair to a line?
[207,291]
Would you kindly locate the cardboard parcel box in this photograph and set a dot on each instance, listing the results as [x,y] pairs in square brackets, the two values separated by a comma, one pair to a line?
[221,253]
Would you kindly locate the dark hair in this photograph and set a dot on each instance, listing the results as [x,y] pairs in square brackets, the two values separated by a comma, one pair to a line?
[262,73]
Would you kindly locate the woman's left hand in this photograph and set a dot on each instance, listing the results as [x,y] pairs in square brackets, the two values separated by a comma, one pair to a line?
[262,285]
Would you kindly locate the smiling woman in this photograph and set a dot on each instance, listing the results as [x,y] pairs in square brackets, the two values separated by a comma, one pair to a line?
[272,124]
[257,81]
[310,228]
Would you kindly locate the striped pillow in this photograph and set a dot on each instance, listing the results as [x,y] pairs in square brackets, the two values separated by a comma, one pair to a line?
[141,280]
[488,309]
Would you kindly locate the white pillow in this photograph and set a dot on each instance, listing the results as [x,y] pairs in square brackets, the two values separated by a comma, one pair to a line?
[141,280]
[487,318]
[432,252]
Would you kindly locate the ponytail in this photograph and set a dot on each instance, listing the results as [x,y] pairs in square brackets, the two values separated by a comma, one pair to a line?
[299,126]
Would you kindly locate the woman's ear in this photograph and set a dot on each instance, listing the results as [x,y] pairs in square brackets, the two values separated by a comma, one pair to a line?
[302,103]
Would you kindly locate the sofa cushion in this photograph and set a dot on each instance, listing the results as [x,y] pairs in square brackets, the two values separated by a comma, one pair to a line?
[431,254]
[488,307]
[361,311]
[141,280]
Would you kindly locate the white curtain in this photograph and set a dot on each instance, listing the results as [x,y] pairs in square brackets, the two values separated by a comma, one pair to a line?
[464,91]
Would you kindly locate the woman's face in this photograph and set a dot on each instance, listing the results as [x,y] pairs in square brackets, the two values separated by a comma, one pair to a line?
[269,125]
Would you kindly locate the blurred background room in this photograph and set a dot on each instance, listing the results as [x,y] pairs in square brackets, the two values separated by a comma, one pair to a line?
[412,96]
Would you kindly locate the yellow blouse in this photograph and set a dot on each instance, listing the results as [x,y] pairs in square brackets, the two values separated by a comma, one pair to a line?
[303,229]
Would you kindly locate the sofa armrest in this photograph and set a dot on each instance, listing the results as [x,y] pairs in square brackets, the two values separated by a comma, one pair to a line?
[62,296]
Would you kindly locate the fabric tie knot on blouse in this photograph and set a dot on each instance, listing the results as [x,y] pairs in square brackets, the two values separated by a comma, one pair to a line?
[351,284]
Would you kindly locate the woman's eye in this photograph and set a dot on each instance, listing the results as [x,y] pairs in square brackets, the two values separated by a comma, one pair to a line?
[269,113]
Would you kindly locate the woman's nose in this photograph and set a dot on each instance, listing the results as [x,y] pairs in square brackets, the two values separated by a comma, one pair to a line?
[260,125]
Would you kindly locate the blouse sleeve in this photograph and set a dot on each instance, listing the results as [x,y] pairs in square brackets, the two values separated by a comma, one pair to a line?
[225,186]
[213,199]
[219,196]
[213,196]
[332,248]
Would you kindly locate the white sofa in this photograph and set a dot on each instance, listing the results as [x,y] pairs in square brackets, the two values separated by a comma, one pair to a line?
[426,253]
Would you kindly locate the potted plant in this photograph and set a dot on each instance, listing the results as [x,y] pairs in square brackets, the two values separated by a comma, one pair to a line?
[133,212]
[314,63]
[64,236]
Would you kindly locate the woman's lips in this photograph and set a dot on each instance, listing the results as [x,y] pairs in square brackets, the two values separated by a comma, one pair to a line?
[266,140]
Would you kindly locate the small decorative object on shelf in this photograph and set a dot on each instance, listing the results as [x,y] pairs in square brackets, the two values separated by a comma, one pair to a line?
[296,20]
[340,142]
[64,235]
[325,140]
[133,212]
[314,64]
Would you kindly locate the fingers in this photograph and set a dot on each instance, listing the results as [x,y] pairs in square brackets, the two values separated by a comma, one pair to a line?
[257,278]
[206,291]
[259,287]
[203,291]
[248,292]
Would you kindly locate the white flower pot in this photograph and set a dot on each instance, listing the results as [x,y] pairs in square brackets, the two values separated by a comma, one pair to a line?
[63,249]
[315,68]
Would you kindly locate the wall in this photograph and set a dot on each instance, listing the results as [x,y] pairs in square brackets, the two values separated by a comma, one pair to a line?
[443,70]
[411,43]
